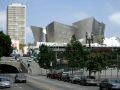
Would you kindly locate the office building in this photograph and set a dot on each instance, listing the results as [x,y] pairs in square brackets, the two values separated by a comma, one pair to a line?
[16,22]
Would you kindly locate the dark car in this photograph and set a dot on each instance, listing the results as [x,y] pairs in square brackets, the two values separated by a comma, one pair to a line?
[75,79]
[54,75]
[20,78]
[88,80]
[48,75]
[110,84]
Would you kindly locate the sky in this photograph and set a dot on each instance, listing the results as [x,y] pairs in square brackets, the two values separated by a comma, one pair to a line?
[42,12]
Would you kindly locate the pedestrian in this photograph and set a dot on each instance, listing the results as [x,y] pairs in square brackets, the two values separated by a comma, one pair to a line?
[28,65]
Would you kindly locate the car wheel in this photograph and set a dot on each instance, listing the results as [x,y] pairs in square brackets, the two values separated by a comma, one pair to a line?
[73,82]
[84,83]
[100,88]
[25,81]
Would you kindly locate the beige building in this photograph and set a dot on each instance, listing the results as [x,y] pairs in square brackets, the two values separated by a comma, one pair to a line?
[16,22]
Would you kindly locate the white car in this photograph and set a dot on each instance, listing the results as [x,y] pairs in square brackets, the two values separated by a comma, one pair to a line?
[29,60]
[5,82]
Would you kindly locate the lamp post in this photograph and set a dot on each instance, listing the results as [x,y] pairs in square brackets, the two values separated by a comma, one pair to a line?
[89,39]
[116,50]
[56,46]
[117,65]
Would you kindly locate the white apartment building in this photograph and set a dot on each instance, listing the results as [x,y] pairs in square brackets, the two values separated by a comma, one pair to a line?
[16,22]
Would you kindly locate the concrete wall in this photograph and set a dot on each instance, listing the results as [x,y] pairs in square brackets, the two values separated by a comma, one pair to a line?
[12,63]
[24,67]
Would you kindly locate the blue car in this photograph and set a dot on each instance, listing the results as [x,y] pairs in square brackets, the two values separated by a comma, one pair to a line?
[110,84]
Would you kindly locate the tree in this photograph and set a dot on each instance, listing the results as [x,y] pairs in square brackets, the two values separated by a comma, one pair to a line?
[45,57]
[99,39]
[0,52]
[74,53]
[22,47]
[5,44]
[97,62]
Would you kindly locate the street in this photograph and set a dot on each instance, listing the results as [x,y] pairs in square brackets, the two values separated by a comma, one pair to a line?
[43,83]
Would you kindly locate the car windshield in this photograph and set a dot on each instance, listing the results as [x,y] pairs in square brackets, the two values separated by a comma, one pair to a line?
[20,75]
[4,79]
[115,81]
[76,75]
[90,77]
[65,73]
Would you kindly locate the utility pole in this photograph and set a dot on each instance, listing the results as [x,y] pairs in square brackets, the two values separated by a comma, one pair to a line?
[117,65]
[89,40]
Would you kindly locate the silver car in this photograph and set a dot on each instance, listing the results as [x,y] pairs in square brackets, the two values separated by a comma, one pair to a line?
[75,79]
[5,82]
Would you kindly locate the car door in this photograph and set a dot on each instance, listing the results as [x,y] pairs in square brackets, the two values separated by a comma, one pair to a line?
[104,84]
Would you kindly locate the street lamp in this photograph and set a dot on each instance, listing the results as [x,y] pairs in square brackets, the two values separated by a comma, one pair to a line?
[117,65]
[89,39]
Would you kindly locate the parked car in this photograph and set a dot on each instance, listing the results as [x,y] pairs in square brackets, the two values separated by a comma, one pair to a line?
[29,60]
[75,79]
[110,84]
[60,76]
[88,80]
[20,78]
[5,82]
[54,75]
[65,76]
[48,75]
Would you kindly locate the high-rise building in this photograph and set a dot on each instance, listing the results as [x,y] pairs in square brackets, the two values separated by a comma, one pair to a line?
[16,22]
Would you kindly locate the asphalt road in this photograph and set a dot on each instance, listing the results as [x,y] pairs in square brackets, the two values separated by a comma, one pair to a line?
[43,83]
[22,86]
[51,84]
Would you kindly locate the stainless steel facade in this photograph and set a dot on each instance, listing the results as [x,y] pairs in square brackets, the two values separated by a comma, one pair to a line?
[38,34]
[91,26]
[58,32]
[62,33]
